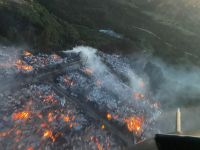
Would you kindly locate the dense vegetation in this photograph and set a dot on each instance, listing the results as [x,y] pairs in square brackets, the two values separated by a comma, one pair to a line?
[155,27]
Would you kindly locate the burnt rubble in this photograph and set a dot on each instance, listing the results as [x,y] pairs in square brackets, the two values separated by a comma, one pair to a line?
[64,102]
[40,119]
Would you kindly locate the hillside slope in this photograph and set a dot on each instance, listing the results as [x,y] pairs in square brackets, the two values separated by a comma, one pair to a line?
[145,26]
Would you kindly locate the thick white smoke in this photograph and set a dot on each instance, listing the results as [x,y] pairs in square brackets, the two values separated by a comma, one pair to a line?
[89,55]
[108,78]
[180,88]
[177,87]
[123,91]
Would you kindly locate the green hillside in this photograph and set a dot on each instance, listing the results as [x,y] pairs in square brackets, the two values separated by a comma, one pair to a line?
[150,27]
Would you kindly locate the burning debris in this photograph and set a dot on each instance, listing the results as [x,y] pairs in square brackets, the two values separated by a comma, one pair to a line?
[21,115]
[34,114]
[101,83]
[79,108]
[22,66]
[42,60]
[108,116]
[134,124]
[28,63]
[49,134]
[40,117]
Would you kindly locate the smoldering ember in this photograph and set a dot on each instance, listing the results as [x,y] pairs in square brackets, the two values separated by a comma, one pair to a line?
[76,99]
[84,99]
[99,74]
[72,100]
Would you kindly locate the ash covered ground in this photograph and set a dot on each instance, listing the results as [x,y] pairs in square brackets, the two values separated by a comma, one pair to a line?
[78,99]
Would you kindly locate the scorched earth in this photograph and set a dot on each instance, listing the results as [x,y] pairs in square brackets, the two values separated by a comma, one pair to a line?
[78,99]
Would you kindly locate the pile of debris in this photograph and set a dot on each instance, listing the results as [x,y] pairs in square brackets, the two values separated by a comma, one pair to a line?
[41,60]
[36,117]
[76,107]
[13,64]
[123,102]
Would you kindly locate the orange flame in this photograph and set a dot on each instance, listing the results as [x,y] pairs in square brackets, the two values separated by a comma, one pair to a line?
[134,124]
[30,148]
[70,120]
[94,139]
[49,134]
[99,146]
[108,116]
[21,115]
[66,118]
[102,126]
[21,65]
